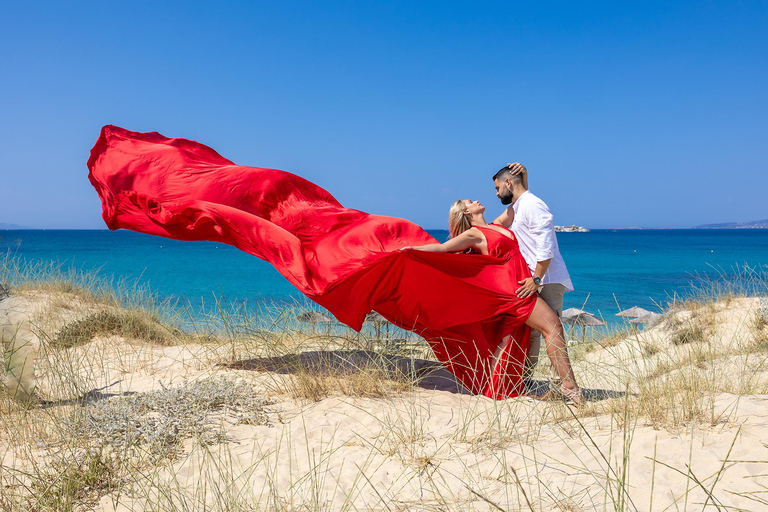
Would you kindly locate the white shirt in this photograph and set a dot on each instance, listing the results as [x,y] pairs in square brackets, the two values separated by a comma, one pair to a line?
[535,230]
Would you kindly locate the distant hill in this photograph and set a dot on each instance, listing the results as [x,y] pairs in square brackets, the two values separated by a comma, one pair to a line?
[13,226]
[755,224]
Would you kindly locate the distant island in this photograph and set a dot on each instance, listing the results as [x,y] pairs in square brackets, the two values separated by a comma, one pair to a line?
[571,229]
[12,226]
[755,224]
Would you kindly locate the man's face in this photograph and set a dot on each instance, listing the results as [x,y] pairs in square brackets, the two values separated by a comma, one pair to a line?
[503,191]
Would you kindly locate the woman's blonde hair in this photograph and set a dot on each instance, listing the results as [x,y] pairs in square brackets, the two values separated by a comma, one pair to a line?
[457,221]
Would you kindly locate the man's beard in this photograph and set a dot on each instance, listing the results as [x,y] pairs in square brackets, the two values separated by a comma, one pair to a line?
[506,196]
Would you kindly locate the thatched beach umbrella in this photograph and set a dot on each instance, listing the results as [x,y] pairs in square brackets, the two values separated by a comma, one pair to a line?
[375,317]
[647,319]
[313,317]
[584,319]
[633,312]
[377,320]
[572,312]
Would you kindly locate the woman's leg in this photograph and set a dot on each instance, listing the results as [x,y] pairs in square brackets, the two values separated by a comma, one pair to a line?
[496,356]
[501,348]
[544,320]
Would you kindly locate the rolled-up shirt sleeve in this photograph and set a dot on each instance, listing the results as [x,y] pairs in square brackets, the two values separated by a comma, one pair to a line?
[543,232]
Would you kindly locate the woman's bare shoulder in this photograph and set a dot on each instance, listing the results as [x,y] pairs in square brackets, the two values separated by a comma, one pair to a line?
[474,233]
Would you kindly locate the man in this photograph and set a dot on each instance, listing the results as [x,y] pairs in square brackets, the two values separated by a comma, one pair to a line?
[532,222]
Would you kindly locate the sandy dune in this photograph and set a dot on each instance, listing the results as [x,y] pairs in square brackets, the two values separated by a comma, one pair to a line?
[644,442]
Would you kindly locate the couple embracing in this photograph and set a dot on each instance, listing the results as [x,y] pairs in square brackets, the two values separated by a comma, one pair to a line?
[532,255]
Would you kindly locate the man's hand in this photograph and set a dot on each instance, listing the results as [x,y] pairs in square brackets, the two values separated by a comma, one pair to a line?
[527,289]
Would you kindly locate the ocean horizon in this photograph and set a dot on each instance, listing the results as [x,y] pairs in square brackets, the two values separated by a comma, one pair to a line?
[612,269]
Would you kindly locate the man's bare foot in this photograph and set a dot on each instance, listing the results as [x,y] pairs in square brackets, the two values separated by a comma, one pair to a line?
[573,395]
[569,395]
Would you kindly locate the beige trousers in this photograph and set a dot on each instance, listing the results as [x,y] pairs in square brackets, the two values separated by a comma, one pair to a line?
[552,294]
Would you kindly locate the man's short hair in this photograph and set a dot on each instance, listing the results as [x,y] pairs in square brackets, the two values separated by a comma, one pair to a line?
[506,172]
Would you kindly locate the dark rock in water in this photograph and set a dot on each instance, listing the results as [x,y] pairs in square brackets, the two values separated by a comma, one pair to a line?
[5,291]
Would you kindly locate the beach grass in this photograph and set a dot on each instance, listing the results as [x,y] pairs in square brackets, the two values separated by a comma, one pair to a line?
[139,407]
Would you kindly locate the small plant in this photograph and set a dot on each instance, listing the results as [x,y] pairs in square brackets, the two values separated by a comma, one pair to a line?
[76,479]
[613,339]
[759,327]
[688,334]
[161,420]
[369,376]
[698,327]
[5,291]
[130,324]
[650,349]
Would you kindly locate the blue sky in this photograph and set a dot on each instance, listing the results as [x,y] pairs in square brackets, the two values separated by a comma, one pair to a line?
[626,114]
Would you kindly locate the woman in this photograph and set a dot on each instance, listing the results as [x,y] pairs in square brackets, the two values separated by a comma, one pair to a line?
[470,232]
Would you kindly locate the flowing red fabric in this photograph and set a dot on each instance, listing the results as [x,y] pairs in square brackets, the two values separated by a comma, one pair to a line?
[346,260]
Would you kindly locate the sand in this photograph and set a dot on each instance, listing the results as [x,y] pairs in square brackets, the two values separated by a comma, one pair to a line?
[430,447]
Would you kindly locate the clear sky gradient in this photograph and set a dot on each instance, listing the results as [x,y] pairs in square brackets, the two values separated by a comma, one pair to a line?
[647,114]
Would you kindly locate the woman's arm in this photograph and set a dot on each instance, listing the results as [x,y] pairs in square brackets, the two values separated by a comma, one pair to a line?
[519,169]
[506,218]
[464,241]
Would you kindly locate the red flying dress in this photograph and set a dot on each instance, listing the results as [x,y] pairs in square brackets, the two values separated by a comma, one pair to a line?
[346,260]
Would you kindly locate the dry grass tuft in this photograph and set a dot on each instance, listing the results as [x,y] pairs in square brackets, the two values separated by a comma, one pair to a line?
[75,481]
[650,349]
[697,327]
[136,325]
[689,334]
[372,380]
[675,399]
[613,337]
[759,327]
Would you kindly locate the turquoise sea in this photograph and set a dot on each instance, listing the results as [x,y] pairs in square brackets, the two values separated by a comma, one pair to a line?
[611,269]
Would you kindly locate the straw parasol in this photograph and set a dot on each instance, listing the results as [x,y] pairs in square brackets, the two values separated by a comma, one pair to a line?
[633,312]
[313,317]
[572,312]
[377,319]
[583,319]
[647,319]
